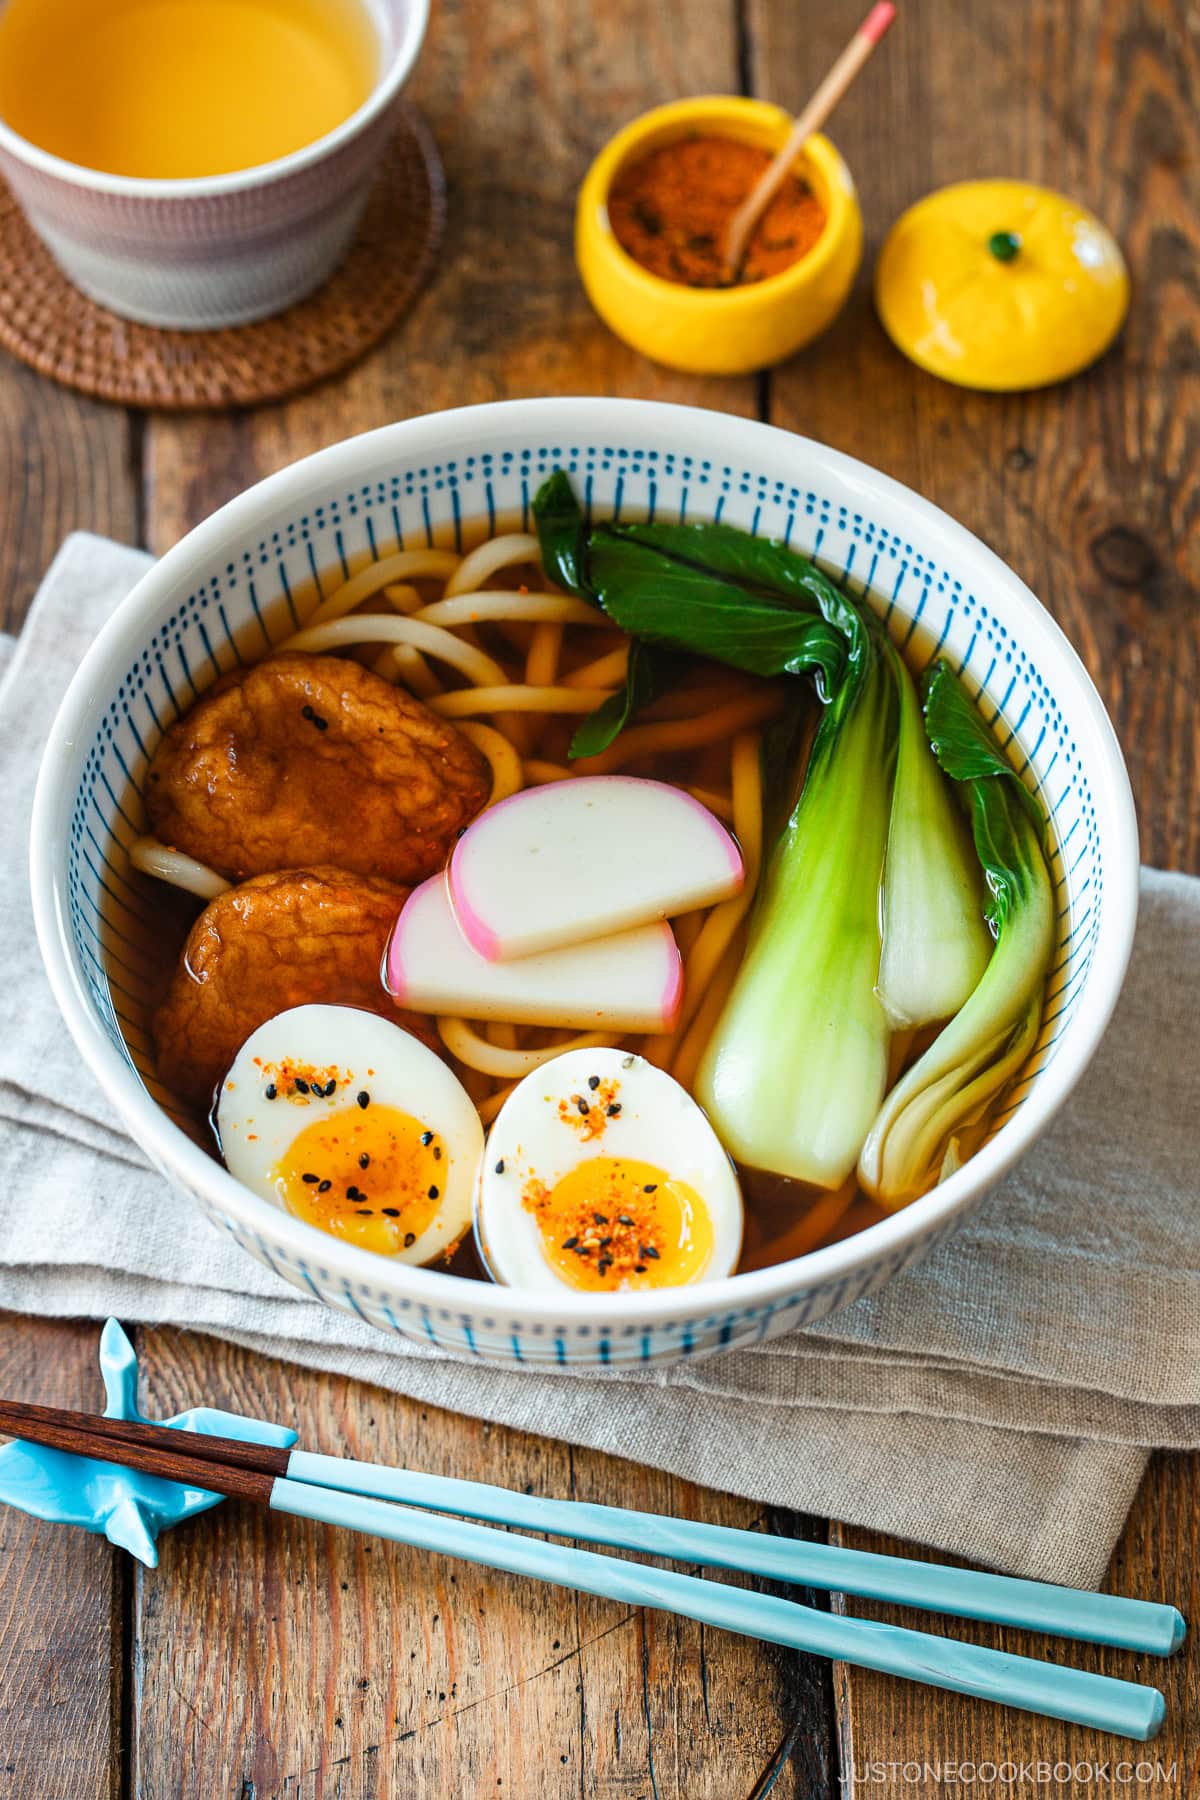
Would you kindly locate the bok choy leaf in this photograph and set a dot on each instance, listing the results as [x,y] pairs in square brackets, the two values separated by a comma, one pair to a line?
[663,600]
[558,520]
[706,589]
[989,1038]
[649,672]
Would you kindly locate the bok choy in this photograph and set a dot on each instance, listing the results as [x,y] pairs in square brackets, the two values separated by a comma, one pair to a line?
[797,1066]
[990,1036]
[871,919]
[935,943]
[705,589]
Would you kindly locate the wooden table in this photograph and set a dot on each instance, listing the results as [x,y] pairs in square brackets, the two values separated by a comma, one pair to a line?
[267,1660]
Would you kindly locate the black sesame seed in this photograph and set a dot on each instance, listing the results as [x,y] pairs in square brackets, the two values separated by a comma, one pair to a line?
[433,1193]
[650,1187]
[320,723]
[650,1251]
[593,1082]
[301,1087]
[582,1104]
[323,1187]
[437,1153]
[570,1243]
[363,1212]
[410,1238]
[612,1111]
[271,1091]
[604,1265]
[605,1242]
[364,1099]
[600,1218]
[391,1212]
[364,1161]
[639,1268]
[352,1192]
[583,1250]
[329,1087]
[500,1167]
[624,1219]
[426,1136]
[310,1179]
[306,712]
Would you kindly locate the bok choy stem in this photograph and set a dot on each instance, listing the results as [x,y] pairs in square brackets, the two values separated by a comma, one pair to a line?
[797,1065]
[935,943]
[987,1040]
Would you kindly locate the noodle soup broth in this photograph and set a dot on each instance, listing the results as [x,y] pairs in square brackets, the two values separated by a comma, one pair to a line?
[486,588]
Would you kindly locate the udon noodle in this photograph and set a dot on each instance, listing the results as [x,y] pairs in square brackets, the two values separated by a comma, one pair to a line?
[517,667]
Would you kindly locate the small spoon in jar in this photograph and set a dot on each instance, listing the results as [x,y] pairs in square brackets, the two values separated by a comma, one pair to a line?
[844,71]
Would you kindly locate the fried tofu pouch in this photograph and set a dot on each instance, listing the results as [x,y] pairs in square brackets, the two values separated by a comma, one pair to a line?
[314,760]
[294,938]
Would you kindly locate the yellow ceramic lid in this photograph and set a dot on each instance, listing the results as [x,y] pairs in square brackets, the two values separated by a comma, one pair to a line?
[1001,285]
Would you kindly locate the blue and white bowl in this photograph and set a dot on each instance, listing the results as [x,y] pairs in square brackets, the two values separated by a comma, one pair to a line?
[246,576]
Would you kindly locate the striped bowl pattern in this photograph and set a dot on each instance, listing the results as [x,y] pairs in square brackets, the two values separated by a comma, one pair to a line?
[248,577]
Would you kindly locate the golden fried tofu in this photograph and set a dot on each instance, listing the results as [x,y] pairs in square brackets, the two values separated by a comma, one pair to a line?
[313,759]
[296,938]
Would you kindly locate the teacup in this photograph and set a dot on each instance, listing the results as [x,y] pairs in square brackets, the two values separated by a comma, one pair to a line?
[197,254]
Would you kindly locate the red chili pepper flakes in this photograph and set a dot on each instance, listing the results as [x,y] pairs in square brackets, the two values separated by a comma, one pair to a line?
[587,1115]
[621,1244]
[669,210]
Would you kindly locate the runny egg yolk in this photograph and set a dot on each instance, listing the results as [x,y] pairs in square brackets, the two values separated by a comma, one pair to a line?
[612,1222]
[373,1177]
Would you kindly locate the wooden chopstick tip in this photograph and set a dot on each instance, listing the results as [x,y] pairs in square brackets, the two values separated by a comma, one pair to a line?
[150,1448]
[877,21]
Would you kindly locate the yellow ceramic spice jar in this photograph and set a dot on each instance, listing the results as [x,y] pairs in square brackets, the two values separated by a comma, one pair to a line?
[1001,285]
[718,330]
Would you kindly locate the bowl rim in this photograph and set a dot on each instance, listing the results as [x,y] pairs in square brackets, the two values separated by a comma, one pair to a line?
[717,109]
[258,175]
[170,1147]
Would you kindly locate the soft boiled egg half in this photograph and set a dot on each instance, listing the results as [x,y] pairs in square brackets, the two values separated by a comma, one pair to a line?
[354,1126]
[602,1174]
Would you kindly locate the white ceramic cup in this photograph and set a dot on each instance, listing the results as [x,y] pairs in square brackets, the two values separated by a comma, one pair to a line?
[199,254]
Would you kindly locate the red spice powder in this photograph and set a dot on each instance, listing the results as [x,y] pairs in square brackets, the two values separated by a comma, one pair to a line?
[669,211]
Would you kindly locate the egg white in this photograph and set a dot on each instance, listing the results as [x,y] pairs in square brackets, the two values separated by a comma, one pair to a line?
[255,1132]
[659,1123]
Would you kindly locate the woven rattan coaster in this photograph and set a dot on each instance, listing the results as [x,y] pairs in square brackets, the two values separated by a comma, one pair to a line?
[58,331]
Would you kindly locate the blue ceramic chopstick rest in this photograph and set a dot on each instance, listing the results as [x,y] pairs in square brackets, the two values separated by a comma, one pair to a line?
[125,1506]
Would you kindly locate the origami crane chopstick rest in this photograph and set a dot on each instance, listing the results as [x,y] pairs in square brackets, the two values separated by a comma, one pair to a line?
[127,1507]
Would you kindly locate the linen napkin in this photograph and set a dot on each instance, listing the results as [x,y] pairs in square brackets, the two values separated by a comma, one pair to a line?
[998,1402]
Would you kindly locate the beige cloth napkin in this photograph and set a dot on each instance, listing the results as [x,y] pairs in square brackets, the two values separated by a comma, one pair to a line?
[998,1402]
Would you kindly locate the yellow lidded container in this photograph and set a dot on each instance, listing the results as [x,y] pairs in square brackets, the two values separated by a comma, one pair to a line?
[1001,285]
[719,331]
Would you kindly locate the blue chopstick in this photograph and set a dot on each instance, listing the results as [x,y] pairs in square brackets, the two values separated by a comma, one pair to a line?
[1035,1605]
[1122,1707]
[267,1474]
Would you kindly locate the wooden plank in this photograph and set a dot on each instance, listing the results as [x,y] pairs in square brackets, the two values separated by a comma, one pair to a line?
[278,1660]
[61,1602]
[285,1661]
[68,465]
[520,97]
[894,1735]
[1089,492]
